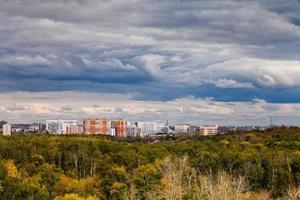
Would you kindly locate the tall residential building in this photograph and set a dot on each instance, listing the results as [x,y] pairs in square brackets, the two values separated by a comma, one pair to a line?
[209,129]
[97,127]
[6,129]
[120,127]
[53,126]
[74,129]
[147,128]
[132,131]
[59,126]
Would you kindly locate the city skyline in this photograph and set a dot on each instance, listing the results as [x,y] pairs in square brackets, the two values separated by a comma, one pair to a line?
[198,62]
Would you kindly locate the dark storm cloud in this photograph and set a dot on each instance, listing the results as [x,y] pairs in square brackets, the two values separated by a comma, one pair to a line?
[228,50]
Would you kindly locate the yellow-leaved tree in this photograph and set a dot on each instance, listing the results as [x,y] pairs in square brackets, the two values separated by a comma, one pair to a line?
[12,171]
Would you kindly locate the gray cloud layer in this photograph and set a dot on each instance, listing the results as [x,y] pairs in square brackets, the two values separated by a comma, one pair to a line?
[156,50]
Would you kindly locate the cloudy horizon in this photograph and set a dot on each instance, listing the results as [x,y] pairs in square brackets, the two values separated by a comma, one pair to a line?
[228,62]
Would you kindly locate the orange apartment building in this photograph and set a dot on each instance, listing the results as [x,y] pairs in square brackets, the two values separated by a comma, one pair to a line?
[120,127]
[74,129]
[96,127]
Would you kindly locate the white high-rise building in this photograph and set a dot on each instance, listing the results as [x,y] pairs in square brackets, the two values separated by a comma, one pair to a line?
[147,128]
[6,129]
[60,126]
[162,127]
[133,131]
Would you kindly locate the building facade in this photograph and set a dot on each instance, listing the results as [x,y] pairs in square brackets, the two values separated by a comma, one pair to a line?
[97,127]
[208,129]
[37,127]
[147,128]
[6,129]
[120,127]
[181,128]
[59,126]
[74,129]
[133,131]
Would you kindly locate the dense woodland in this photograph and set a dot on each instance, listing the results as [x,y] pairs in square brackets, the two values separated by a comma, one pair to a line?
[246,165]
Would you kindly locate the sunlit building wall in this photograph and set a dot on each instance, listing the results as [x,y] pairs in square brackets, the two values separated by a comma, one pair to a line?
[97,126]
[209,129]
[120,127]
[59,126]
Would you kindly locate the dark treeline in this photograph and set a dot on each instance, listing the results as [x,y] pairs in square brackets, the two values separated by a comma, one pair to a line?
[94,167]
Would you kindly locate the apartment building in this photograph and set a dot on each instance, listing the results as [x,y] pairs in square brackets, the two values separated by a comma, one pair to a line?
[74,129]
[59,126]
[147,128]
[120,127]
[97,126]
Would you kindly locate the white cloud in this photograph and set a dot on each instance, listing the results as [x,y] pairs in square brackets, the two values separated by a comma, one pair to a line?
[225,83]
[261,72]
[39,106]
[150,63]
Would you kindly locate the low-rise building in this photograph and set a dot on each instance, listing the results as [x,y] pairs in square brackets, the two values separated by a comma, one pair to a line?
[208,129]
[20,128]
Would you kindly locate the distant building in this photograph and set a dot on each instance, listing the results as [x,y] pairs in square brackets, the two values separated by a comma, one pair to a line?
[194,129]
[59,126]
[20,128]
[37,127]
[120,127]
[112,132]
[181,128]
[226,129]
[132,130]
[6,129]
[209,129]
[74,129]
[53,126]
[147,128]
[162,127]
[97,127]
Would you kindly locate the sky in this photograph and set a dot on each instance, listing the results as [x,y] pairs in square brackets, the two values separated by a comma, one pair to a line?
[231,62]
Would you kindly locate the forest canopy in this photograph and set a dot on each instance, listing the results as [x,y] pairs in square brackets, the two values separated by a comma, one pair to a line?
[245,165]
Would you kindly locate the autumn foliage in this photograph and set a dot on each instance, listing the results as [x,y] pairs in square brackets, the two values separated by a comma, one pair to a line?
[240,166]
